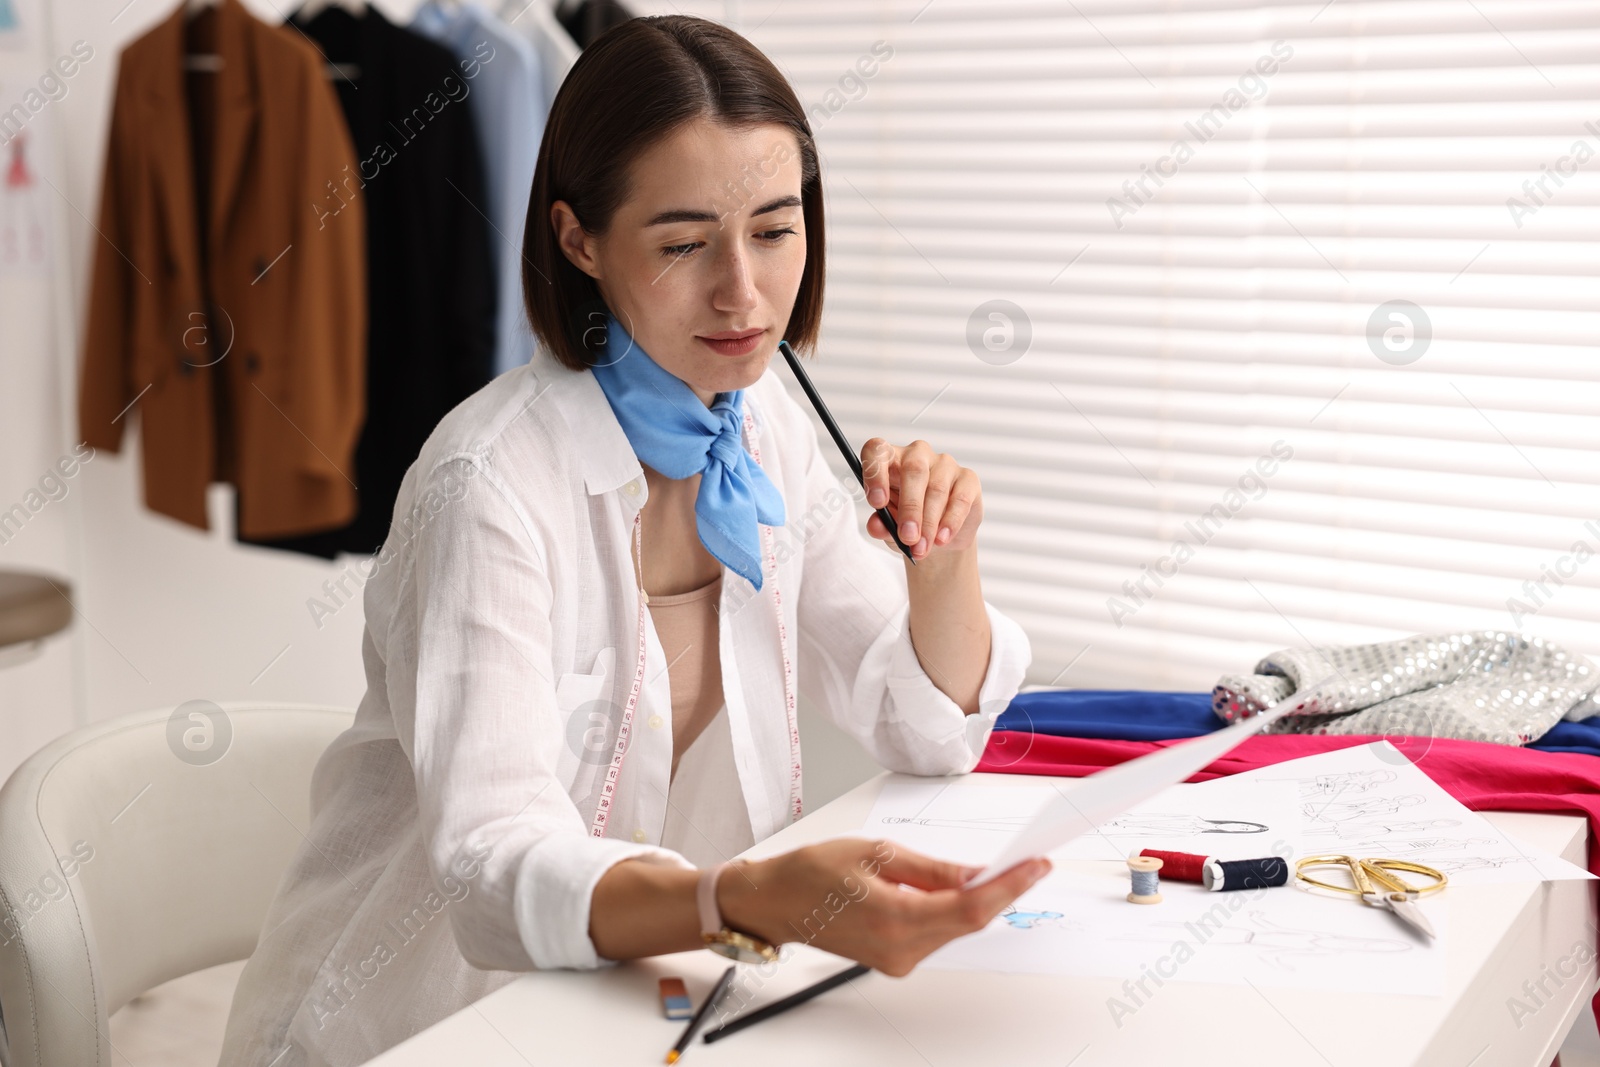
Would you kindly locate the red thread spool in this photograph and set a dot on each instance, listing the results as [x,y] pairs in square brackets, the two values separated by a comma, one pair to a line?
[1179,866]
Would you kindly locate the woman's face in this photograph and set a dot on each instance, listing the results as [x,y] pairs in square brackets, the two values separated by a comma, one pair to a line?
[710,243]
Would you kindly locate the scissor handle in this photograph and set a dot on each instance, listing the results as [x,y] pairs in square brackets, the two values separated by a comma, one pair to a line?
[1379,869]
[1359,885]
[1363,872]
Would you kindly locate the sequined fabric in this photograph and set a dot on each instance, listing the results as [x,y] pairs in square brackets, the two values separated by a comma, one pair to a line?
[1484,686]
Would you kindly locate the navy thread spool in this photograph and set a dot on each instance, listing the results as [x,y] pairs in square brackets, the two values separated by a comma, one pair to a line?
[1221,876]
[1146,881]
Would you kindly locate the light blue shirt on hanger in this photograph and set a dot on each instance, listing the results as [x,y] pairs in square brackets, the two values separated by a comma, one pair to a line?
[509,107]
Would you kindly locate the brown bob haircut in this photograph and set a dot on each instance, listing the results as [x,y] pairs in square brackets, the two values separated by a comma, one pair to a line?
[632,86]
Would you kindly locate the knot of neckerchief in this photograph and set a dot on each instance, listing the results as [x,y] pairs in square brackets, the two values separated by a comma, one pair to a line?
[672,431]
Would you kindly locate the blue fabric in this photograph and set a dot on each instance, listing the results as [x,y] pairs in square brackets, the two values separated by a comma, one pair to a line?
[1581,736]
[508,108]
[1141,715]
[673,432]
[1117,714]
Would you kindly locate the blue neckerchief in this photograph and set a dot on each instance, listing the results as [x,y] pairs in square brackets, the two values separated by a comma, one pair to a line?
[672,431]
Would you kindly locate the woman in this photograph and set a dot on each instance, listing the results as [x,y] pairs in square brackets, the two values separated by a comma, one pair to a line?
[555,724]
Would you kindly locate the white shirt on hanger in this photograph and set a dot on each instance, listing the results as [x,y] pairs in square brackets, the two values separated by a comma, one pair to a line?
[451,843]
[535,20]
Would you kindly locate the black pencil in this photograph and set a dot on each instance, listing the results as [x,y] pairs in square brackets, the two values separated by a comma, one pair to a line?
[778,1007]
[844,446]
[716,994]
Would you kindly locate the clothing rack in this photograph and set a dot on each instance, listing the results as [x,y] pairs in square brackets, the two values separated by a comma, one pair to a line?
[202,37]
[211,63]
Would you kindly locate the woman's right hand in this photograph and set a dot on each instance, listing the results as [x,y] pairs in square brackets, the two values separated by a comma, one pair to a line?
[875,902]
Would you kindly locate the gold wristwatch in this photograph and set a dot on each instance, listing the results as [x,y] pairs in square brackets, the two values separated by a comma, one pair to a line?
[719,938]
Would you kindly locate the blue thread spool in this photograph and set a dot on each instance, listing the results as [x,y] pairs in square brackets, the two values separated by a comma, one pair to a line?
[1221,876]
[1146,881]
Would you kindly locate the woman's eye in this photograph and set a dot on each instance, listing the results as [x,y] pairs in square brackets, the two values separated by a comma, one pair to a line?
[770,236]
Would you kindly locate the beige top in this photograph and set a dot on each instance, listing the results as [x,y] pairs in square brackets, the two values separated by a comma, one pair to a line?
[687,626]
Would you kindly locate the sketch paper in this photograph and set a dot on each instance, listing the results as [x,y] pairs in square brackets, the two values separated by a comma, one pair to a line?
[1071,814]
[1373,801]
[1078,923]
[1227,819]
[964,821]
[1366,801]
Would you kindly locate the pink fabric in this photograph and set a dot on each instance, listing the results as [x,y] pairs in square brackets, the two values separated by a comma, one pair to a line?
[1482,776]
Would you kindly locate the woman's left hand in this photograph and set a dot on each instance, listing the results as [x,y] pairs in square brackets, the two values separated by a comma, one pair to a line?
[936,502]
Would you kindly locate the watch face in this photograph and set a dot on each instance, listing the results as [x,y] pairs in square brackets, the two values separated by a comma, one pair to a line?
[742,949]
[732,952]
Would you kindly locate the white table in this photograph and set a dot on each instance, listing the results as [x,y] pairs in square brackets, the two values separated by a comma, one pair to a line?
[1499,937]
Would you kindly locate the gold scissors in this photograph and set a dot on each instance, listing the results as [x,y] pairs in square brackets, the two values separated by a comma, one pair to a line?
[1375,882]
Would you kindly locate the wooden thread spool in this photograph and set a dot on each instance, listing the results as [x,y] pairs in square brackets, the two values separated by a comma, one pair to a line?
[1146,881]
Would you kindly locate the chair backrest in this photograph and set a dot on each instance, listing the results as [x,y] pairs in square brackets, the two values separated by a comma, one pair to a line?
[139,849]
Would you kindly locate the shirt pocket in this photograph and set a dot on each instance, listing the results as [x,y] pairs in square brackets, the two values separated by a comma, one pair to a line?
[589,711]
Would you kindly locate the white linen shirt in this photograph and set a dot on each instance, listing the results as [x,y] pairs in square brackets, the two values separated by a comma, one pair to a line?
[451,843]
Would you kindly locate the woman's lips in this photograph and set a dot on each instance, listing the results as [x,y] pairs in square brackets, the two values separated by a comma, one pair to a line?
[740,346]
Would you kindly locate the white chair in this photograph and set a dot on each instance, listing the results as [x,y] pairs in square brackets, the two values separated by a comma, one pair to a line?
[139,849]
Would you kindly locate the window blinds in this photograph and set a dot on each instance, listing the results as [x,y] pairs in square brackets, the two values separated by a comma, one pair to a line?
[1265,325]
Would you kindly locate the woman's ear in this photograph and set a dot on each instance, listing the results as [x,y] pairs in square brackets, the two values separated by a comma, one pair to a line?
[574,242]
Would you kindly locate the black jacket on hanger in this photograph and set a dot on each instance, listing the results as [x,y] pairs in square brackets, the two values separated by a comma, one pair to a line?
[430,275]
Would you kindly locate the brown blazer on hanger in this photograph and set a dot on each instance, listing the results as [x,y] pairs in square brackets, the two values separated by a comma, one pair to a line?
[230,311]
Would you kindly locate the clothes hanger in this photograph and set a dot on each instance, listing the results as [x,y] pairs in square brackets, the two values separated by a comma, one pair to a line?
[312,8]
[356,9]
[205,62]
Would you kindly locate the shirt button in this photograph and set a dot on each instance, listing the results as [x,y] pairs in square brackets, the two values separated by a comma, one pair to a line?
[655,722]
[638,835]
[632,487]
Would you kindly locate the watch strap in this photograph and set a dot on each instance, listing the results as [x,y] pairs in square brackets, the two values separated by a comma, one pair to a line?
[705,895]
